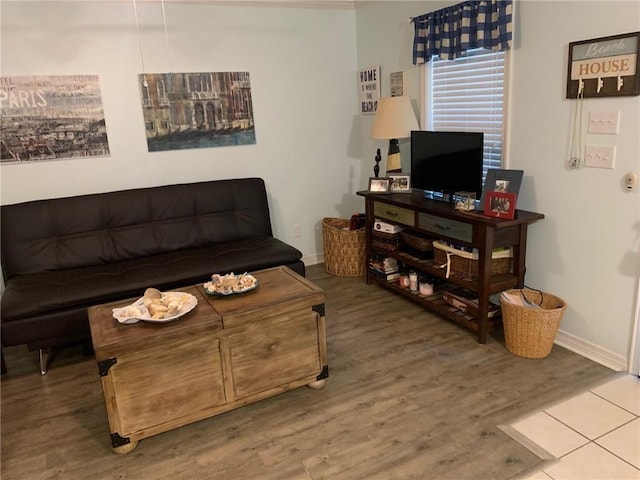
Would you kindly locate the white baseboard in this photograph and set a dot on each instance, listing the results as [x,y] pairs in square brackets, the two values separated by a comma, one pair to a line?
[313,259]
[592,352]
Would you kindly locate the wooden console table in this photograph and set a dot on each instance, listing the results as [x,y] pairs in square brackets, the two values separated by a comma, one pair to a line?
[441,220]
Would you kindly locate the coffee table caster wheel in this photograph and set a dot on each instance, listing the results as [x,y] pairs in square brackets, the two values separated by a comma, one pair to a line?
[126,448]
[318,384]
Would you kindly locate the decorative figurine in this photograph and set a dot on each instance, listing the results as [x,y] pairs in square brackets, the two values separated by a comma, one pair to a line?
[376,168]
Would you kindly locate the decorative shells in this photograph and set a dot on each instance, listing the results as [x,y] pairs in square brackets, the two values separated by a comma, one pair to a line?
[230,284]
[163,305]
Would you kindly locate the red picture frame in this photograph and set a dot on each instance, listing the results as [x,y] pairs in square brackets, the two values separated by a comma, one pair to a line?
[500,204]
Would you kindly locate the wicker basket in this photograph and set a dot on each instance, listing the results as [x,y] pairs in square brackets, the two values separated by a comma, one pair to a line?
[385,241]
[465,264]
[344,249]
[417,242]
[530,332]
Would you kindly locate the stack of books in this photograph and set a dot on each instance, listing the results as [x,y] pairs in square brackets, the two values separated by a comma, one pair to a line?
[384,267]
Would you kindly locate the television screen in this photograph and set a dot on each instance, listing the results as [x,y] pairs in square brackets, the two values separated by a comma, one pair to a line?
[447,162]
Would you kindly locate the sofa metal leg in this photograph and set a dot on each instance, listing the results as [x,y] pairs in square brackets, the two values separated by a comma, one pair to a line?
[43,356]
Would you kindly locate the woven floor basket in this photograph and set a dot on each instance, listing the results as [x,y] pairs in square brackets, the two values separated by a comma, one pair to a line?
[530,332]
[344,249]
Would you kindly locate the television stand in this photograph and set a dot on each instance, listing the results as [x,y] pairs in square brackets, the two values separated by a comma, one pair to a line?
[440,220]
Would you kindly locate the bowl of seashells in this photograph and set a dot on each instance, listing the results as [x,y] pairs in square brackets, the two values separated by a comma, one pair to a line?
[156,306]
[230,284]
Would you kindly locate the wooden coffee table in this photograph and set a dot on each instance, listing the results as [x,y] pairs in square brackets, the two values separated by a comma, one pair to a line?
[226,353]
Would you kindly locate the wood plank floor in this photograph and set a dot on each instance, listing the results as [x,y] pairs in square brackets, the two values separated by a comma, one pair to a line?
[410,396]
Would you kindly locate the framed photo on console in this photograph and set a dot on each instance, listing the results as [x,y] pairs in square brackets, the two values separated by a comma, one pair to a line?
[500,204]
[400,183]
[379,184]
[499,180]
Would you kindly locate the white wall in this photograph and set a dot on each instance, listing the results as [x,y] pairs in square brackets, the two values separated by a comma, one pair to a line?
[385,38]
[302,65]
[586,249]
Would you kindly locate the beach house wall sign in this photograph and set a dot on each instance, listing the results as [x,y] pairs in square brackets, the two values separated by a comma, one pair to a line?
[604,67]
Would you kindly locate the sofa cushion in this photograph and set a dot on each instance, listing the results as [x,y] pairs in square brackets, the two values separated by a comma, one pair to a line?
[45,292]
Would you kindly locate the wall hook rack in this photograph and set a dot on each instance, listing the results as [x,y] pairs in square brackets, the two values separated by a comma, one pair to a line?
[604,75]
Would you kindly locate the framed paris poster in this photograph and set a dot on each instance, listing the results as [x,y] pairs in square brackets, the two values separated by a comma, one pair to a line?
[51,117]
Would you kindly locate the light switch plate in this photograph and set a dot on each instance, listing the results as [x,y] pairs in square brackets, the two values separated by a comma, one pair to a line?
[604,122]
[600,156]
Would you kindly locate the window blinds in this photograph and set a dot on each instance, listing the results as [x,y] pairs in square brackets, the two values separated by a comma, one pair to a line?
[467,94]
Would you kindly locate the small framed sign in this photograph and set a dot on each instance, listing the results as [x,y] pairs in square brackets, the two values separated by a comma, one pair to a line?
[500,204]
[397,84]
[379,184]
[369,89]
[400,183]
[604,67]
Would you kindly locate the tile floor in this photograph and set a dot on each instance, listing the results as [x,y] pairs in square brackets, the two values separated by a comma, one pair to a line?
[592,436]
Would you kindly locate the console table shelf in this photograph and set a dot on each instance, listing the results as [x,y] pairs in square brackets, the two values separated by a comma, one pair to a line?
[440,220]
[436,303]
[498,283]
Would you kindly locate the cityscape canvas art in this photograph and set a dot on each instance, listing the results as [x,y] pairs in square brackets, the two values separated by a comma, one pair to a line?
[51,117]
[197,110]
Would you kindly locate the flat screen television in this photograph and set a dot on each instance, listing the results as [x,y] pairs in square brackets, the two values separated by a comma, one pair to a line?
[446,162]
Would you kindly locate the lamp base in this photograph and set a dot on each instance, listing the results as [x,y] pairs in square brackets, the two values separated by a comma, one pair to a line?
[394,162]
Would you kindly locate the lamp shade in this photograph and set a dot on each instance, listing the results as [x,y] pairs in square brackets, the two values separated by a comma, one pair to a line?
[394,119]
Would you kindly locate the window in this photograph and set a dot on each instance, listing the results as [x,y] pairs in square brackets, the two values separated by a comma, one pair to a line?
[467,94]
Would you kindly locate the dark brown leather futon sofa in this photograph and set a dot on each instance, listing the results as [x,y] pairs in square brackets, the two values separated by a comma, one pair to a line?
[63,255]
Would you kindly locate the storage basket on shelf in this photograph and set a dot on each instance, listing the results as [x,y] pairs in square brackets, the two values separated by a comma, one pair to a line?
[465,264]
[384,240]
[528,331]
[344,249]
[417,242]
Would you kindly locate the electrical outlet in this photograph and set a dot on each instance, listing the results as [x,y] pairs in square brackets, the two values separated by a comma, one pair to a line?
[297,231]
[600,156]
[631,182]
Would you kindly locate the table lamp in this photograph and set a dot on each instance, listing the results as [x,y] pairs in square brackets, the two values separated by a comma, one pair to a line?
[394,119]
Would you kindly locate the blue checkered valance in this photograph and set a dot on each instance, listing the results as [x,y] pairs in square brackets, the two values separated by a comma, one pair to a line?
[451,31]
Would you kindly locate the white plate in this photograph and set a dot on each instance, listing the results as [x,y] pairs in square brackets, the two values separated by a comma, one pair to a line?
[119,313]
